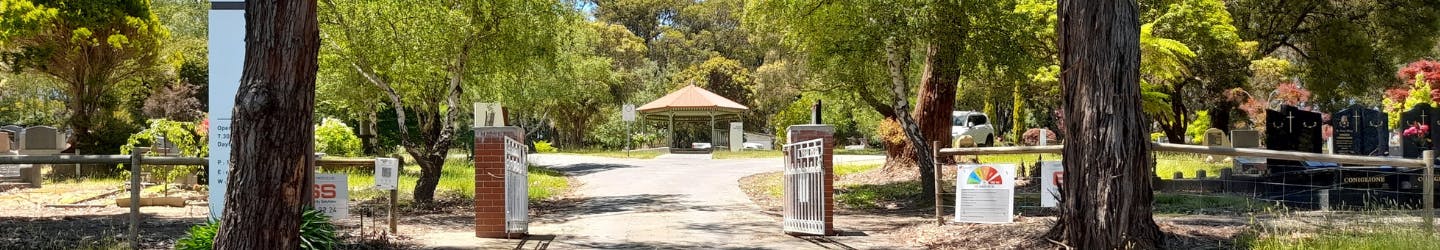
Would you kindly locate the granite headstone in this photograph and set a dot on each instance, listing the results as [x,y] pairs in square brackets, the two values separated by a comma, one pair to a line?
[1292,129]
[1361,131]
[1420,114]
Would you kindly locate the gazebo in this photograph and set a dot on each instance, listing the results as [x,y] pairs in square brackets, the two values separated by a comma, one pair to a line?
[691,104]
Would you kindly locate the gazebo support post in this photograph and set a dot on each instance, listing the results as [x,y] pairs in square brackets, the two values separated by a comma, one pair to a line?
[712,130]
[671,130]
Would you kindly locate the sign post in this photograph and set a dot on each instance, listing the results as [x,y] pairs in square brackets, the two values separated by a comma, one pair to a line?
[387,177]
[627,114]
[227,59]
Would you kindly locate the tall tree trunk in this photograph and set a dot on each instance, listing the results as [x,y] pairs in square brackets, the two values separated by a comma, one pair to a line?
[935,105]
[270,161]
[897,54]
[1107,196]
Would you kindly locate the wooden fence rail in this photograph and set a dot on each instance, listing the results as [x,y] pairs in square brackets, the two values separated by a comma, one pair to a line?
[1426,162]
[137,159]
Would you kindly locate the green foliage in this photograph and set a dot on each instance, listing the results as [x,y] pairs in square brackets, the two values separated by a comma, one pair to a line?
[64,40]
[873,196]
[1348,49]
[31,100]
[1380,237]
[1198,125]
[184,136]
[544,147]
[200,237]
[316,231]
[334,138]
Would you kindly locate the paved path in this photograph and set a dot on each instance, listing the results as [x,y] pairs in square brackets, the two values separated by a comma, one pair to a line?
[671,202]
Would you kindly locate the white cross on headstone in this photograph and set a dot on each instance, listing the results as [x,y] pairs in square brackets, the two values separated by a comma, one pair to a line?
[1290,125]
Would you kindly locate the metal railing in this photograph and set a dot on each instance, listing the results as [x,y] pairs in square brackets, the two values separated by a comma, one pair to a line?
[1426,162]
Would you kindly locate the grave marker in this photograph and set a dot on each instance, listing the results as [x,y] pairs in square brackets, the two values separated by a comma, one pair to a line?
[40,138]
[1361,131]
[489,115]
[4,142]
[1292,129]
[1420,114]
[1245,138]
[1214,137]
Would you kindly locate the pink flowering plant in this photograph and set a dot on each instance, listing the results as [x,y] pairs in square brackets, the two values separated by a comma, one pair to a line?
[1420,132]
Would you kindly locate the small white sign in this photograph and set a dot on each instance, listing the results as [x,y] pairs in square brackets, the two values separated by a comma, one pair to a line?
[332,195]
[1052,173]
[489,115]
[387,173]
[628,112]
[986,193]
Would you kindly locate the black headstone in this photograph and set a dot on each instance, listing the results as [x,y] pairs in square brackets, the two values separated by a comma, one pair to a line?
[1292,129]
[1361,131]
[1420,114]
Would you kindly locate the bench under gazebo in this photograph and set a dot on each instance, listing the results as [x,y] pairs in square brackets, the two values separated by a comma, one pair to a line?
[691,104]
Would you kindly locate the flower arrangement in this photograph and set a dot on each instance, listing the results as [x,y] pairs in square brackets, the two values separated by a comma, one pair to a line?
[1420,132]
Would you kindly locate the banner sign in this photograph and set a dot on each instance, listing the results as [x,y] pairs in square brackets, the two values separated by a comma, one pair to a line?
[332,195]
[227,60]
[986,193]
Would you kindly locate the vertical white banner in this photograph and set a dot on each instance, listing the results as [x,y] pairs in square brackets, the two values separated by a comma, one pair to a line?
[1051,174]
[227,60]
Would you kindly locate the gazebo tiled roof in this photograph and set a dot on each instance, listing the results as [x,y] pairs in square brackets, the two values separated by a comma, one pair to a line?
[691,98]
[691,103]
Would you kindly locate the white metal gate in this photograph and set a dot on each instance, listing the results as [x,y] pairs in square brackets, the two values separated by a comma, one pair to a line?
[517,189]
[805,187]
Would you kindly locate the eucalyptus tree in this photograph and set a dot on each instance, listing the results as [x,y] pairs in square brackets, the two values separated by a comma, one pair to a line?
[1107,197]
[272,169]
[863,33]
[1348,50]
[422,55]
[97,50]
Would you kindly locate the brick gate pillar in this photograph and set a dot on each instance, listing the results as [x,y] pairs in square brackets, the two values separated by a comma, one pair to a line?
[800,133]
[490,179]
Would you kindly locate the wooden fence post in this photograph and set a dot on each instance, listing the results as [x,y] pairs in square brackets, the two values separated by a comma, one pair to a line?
[1429,157]
[135,158]
[395,193]
[939,199]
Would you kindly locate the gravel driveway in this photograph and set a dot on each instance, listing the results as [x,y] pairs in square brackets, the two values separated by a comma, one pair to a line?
[671,202]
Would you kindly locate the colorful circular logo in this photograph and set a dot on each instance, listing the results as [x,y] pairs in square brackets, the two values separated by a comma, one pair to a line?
[985,175]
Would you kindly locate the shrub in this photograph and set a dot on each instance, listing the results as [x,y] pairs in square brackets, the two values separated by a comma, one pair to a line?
[316,232]
[333,137]
[544,147]
[201,237]
[185,137]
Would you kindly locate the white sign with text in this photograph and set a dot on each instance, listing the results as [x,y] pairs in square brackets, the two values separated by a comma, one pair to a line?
[986,193]
[227,60]
[1052,173]
[332,195]
[387,173]
[627,113]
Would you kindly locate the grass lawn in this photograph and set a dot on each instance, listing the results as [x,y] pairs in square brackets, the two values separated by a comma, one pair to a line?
[457,180]
[1166,203]
[747,154]
[638,154]
[1355,238]
[1166,164]
[774,185]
